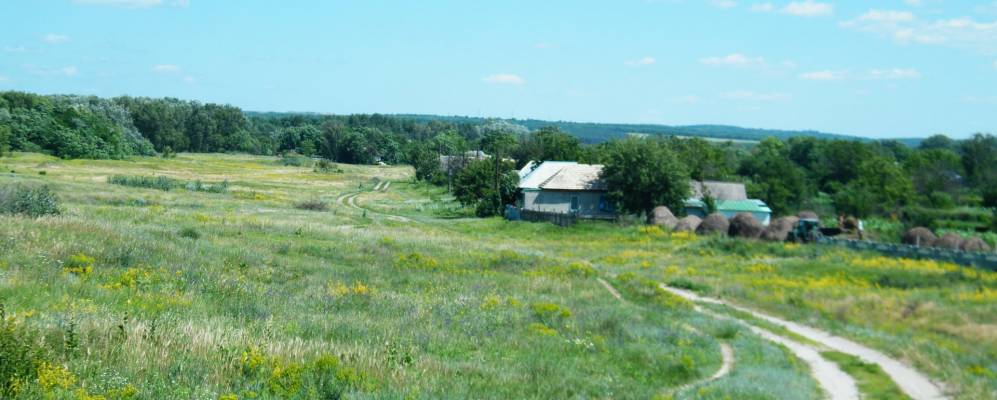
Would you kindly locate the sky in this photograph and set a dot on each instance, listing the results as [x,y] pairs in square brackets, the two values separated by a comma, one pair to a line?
[891,68]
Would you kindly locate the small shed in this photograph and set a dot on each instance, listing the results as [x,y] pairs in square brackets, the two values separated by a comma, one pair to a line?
[730,208]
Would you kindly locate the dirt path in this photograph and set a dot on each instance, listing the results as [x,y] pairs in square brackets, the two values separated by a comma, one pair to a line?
[726,352]
[910,381]
[350,200]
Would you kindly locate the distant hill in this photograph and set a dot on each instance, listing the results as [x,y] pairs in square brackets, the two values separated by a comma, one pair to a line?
[591,132]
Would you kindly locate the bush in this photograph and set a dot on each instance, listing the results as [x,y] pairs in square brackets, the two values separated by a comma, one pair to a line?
[295,160]
[324,166]
[31,201]
[159,182]
[190,233]
[312,205]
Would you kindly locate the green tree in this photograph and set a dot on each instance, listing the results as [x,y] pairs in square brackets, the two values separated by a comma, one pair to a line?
[882,186]
[644,173]
[475,186]
[934,170]
[499,144]
[938,142]
[425,160]
[548,144]
[979,160]
[705,160]
[774,178]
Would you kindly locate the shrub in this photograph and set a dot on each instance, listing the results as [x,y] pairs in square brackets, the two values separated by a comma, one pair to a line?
[550,313]
[312,205]
[295,160]
[324,166]
[31,201]
[197,186]
[190,233]
[159,182]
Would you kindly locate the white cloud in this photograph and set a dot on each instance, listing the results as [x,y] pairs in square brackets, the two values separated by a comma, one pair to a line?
[64,71]
[995,64]
[734,60]
[166,68]
[640,62]
[808,8]
[825,75]
[134,3]
[747,95]
[545,45]
[905,28]
[723,3]
[504,79]
[189,79]
[914,3]
[762,7]
[54,38]
[3,78]
[893,74]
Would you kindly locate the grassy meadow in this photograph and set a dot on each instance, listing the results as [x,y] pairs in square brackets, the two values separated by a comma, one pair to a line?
[239,277]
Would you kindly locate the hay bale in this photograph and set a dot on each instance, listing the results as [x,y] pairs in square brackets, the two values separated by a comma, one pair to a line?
[919,236]
[949,241]
[745,225]
[713,224]
[975,244]
[851,224]
[807,215]
[688,224]
[778,230]
[663,217]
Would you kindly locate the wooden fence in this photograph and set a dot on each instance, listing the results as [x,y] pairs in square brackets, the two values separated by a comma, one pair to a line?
[552,217]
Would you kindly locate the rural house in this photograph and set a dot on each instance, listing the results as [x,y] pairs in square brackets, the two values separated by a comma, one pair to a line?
[564,187]
[567,187]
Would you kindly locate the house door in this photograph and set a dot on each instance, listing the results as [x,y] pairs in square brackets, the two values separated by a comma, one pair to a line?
[574,203]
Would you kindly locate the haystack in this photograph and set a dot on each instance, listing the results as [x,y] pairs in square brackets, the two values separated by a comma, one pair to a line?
[663,217]
[919,236]
[745,225]
[949,241]
[975,244]
[778,230]
[807,215]
[688,224]
[714,223]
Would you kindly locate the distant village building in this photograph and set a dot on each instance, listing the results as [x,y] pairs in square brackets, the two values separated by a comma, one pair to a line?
[568,187]
[730,199]
[452,164]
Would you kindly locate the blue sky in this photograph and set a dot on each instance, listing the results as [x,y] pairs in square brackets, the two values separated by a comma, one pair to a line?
[883,69]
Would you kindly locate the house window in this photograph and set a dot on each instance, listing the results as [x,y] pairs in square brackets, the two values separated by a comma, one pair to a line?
[574,203]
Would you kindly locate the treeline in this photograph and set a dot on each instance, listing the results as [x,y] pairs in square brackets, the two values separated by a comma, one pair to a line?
[857,177]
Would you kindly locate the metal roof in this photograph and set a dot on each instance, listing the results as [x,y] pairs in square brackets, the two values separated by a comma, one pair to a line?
[749,205]
[540,174]
[576,177]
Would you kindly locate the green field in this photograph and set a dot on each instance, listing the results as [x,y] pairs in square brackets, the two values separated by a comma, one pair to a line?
[359,283]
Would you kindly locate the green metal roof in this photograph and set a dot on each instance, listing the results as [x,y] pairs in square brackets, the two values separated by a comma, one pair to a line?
[750,205]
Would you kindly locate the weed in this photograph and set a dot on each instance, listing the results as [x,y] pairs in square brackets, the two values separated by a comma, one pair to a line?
[27,200]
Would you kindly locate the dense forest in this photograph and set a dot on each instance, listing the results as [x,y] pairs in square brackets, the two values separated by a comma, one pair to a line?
[789,171]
